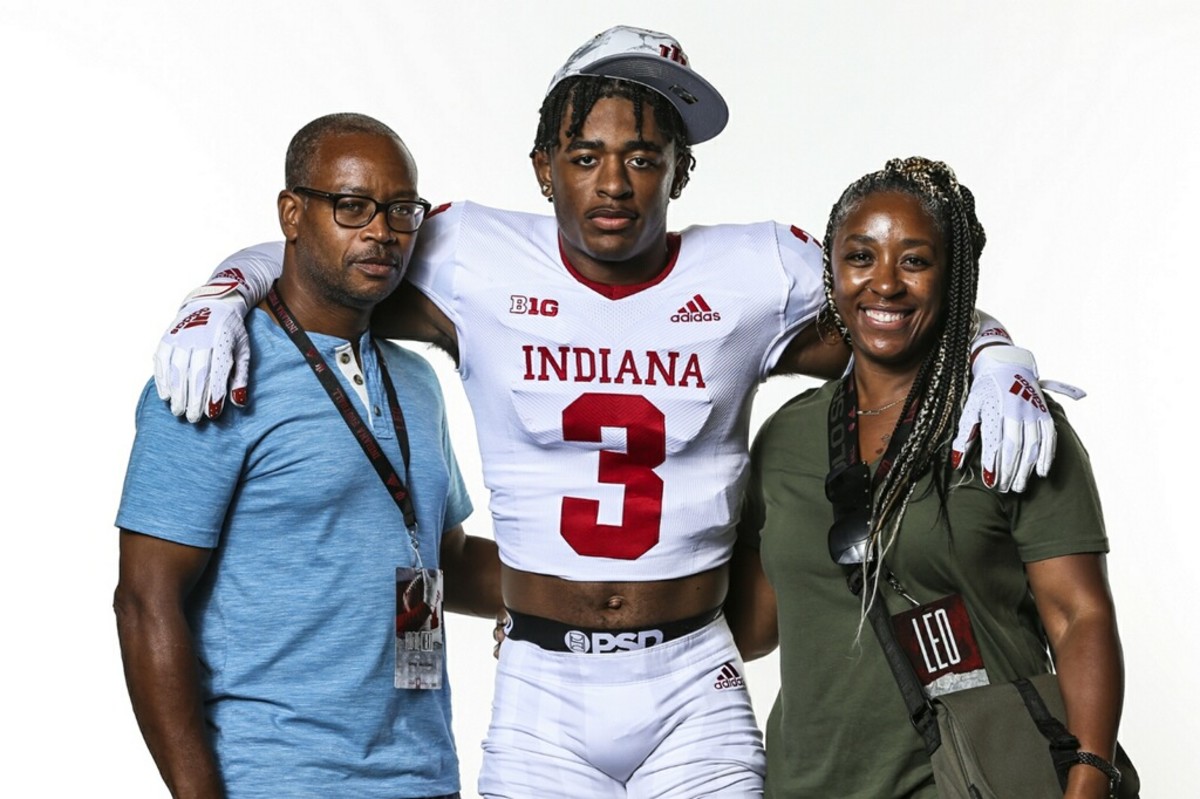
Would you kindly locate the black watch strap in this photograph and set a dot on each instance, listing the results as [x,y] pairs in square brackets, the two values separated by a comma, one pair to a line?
[1111,771]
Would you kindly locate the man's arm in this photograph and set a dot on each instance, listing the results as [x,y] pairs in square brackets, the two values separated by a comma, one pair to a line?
[161,668]
[409,314]
[472,570]
[1077,612]
[1005,409]
[813,354]
[205,350]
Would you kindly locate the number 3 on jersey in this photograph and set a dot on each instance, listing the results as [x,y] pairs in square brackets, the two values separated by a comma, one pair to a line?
[645,448]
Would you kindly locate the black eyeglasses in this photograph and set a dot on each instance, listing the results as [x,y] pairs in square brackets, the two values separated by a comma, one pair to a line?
[849,489]
[353,210]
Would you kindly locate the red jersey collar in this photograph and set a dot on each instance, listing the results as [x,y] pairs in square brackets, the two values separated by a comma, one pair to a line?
[619,292]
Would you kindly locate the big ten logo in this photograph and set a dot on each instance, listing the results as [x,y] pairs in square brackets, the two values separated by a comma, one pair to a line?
[672,52]
[532,306]
[935,637]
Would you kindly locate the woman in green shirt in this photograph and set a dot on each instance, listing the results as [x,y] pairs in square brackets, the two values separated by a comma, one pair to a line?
[991,579]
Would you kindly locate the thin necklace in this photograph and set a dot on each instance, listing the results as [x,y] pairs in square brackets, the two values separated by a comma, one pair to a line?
[881,409]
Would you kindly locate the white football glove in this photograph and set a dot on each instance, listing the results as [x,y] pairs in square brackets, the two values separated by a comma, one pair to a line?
[204,350]
[1007,407]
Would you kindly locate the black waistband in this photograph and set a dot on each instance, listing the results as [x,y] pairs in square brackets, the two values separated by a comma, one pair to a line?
[555,636]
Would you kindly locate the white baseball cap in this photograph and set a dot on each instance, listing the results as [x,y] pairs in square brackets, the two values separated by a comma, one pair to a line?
[657,61]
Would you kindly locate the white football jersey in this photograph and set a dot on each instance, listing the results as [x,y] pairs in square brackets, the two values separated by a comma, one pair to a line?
[613,421]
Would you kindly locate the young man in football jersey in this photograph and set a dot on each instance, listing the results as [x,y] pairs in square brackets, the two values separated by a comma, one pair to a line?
[611,366]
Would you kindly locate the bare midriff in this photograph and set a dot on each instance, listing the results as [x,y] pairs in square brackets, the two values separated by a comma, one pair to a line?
[614,606]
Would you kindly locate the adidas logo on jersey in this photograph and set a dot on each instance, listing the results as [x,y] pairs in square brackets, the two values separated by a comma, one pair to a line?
[696,310]
[599,642]
[728,677]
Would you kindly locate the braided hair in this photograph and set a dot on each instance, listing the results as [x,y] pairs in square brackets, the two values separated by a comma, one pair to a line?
[943,377]
[580,93]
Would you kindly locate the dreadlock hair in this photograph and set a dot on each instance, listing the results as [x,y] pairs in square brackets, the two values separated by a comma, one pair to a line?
[579,95]
[943,376]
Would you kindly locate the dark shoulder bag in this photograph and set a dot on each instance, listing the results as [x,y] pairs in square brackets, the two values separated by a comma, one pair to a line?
[995,741]
[992,742]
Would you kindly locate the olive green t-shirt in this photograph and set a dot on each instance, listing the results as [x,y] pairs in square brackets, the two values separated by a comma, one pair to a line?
[839,727]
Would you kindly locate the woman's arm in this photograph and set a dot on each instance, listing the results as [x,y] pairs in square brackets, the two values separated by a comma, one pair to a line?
[1076,609]
[810,353]
[750,605]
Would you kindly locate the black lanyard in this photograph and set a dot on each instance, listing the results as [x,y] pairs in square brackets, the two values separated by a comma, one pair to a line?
[395,486]
[843,431]
[850,486]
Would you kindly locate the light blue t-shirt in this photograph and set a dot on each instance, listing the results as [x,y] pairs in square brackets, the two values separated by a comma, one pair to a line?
[294,619]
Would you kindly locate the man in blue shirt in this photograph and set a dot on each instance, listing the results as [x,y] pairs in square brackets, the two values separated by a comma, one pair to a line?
[257,603]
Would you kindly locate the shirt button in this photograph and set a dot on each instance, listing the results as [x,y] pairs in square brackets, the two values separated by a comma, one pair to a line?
[345,357]
[377,411]
[358,381]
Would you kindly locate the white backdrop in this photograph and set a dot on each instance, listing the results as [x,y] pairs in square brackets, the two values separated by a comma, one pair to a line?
[145,141]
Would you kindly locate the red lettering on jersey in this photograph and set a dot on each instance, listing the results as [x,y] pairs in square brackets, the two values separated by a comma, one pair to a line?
[692,370]
[655,363]
[645,448]
[547,359]
[585,365]
[533,306]
[520,304]
[585,373]
[628,366]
